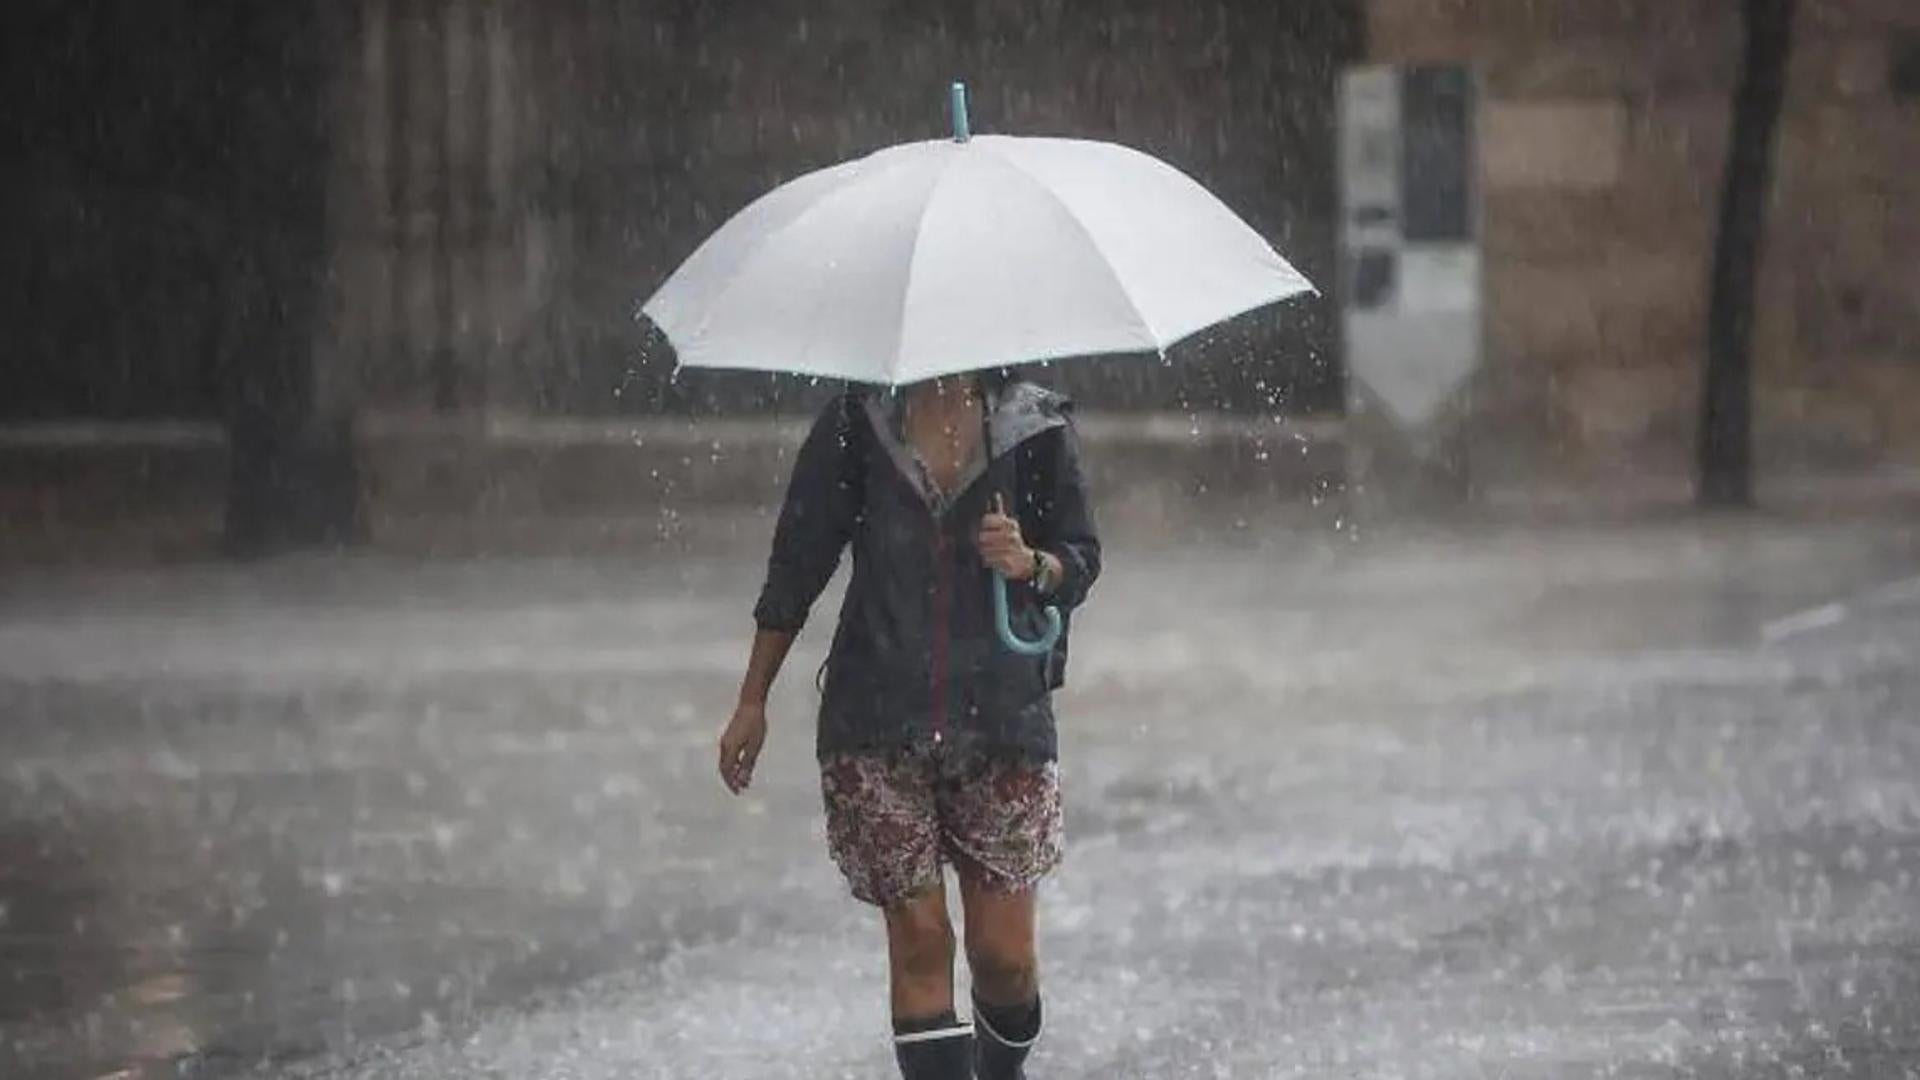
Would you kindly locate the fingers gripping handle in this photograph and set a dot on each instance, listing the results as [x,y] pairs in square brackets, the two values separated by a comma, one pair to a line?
[1003,616]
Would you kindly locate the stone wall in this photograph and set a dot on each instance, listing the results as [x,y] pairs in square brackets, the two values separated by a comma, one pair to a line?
[1840,346]
[1603,135]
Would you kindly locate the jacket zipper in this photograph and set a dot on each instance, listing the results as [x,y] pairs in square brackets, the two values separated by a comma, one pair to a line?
[942,598]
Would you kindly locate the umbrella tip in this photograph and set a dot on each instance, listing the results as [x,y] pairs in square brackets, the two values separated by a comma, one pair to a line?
[961,132]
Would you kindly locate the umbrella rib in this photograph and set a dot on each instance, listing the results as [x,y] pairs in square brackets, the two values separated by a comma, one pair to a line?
[913,260]
[1092,241]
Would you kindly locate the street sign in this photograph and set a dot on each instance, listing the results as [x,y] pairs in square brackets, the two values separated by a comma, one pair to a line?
[1410,274]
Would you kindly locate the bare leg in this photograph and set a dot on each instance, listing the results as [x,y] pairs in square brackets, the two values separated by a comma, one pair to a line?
[1006,978]
[920,955]
[1000,943]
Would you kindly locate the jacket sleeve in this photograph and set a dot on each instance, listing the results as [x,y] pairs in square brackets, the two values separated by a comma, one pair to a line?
[1065,520]
[823,505]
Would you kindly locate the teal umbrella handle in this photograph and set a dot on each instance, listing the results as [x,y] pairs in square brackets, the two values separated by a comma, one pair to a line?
[958,103]
[1003,623]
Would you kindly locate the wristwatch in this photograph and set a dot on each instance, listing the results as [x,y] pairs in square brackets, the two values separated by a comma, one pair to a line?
[1039,578]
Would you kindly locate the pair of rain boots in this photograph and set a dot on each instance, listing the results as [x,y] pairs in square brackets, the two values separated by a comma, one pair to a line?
[960,1052]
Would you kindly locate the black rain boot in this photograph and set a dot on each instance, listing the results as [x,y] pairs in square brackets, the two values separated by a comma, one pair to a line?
[1005,1038]
[942,1052]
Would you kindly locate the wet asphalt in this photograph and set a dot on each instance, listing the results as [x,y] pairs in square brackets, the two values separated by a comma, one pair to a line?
[1634,800]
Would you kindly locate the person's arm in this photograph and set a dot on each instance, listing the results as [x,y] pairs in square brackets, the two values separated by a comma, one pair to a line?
[746,732]
[1066,536]
[822,508]
[817,519]
[1063,540]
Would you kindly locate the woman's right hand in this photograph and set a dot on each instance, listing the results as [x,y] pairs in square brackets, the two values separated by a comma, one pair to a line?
[740,745]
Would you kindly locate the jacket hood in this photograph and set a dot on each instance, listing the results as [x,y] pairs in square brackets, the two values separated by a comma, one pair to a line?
[1020,410]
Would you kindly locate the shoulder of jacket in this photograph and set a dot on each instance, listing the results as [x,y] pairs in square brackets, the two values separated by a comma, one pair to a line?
[1045,400]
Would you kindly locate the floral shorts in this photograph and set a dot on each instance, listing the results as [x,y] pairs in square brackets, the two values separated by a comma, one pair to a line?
[894,818]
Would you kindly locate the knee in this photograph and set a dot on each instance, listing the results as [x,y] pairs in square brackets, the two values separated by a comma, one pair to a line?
[923,946]
[1004,972]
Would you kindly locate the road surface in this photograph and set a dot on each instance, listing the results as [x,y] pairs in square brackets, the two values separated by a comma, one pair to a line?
[1636,801]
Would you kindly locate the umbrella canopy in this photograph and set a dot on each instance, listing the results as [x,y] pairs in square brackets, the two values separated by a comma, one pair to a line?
[947,256]
[937,258]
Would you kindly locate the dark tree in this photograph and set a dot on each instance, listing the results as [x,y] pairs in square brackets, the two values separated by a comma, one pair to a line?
[1726,413]
[163,167]
[291,482]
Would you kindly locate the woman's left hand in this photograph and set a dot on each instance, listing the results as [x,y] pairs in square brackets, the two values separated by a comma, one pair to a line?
[1001,545]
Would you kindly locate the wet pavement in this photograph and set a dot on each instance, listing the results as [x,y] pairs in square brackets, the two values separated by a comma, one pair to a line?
[1636,801]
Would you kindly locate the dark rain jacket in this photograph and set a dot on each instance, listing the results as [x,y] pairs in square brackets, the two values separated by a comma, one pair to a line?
[915,659]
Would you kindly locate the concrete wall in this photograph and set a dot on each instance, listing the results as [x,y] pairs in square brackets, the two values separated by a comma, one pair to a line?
[470,484]
[1603,130]
[509,178]
[111,492]
[1840,330]
[513,176]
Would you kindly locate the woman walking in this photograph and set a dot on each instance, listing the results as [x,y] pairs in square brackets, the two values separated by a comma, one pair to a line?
[936,741]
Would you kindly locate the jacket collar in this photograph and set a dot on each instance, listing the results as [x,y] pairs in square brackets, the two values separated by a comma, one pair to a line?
[1016,412]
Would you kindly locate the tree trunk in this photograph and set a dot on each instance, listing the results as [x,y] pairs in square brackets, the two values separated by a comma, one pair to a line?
[1726,414]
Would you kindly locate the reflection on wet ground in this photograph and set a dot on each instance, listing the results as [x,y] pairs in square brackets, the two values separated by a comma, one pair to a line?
[173,890]
[1544,804]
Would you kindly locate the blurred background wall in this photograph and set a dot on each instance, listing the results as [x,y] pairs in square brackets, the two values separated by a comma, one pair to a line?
[318,272]
[413,233]
[513,177]
[1603,141]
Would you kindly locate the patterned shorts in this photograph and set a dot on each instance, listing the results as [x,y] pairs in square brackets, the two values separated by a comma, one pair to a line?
[894,818]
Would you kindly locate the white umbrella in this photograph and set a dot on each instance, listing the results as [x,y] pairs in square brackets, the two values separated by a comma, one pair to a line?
[937,258]
[947,256]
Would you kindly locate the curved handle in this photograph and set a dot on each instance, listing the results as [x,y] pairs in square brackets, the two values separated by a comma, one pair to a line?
[1003,624]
